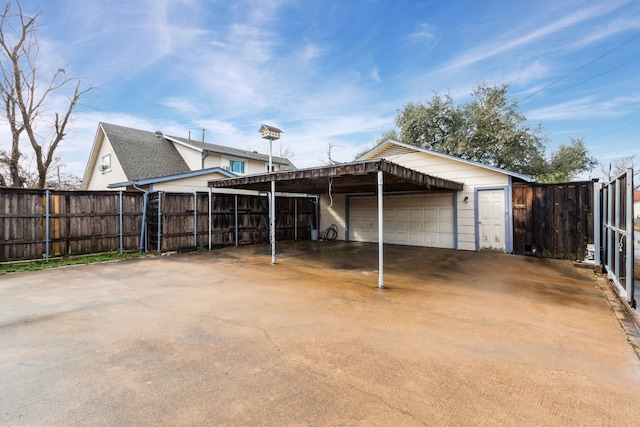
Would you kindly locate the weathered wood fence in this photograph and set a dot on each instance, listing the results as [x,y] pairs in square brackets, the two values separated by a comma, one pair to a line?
[555,220]
[39,224]
[234,219]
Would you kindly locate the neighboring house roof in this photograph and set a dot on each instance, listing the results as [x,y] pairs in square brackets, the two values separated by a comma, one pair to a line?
[229,151]
[154,180]
[375,151]
[153,155]
[138,152]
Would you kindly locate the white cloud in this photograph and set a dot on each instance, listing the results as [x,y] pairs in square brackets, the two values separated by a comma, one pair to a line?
[424,31]
[375,75]
[509,42]
[584,108]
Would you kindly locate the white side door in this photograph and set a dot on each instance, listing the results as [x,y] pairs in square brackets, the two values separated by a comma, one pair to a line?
[491,219]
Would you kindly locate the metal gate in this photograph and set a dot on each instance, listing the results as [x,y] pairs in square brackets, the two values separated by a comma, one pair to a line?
[615,235]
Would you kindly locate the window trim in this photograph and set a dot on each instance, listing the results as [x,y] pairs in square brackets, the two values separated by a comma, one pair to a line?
[232,162]
[105,163]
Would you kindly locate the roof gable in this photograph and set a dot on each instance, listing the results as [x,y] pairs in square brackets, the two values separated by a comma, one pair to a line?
[391,147]
[143,154]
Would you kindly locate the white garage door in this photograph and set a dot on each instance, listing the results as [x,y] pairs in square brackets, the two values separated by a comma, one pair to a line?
[424,220]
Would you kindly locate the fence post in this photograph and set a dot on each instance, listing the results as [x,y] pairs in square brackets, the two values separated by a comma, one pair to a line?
[235,210]
[210,217]
[629,237]
[195,219]
[597,223]
[46,226]
[295,219]
[121,221]
[143,226]
[159,220]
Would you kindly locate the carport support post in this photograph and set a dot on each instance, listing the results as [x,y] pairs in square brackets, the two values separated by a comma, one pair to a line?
[272,220]
[380,232]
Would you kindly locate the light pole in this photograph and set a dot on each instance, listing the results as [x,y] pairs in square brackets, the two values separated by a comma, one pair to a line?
[271,133]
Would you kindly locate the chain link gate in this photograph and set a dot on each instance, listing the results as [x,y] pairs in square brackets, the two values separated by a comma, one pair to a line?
[614,233]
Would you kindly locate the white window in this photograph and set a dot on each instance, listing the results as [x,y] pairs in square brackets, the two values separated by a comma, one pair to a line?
[236,166]
[105,164]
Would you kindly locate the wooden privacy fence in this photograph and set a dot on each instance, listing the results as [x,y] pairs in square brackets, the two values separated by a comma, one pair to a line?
[39,224]
[553,220]
[234,219]
[36,224]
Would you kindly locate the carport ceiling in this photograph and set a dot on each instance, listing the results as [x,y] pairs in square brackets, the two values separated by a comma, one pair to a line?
[359,177]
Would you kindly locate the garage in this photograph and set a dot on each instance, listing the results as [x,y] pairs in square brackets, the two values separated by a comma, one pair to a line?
[416,220]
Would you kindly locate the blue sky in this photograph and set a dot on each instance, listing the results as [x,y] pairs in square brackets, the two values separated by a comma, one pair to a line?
[338,71]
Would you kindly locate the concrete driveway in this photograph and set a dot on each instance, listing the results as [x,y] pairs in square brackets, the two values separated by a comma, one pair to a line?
[225,338]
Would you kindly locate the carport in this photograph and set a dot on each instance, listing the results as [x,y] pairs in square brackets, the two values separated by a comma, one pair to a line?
[374,176]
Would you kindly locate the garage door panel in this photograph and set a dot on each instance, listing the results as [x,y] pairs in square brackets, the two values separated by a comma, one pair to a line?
[421,220]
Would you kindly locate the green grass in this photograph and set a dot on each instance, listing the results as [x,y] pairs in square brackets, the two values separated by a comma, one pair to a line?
[20,266]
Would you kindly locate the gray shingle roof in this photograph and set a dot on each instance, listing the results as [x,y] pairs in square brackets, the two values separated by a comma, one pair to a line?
[229,151]
[142,154]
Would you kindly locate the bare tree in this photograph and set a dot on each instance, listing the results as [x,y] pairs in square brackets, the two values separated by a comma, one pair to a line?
[286,151]
[24,93]
[618,166]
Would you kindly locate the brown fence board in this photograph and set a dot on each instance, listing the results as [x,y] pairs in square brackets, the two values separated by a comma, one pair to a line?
[555,219]
[89,222]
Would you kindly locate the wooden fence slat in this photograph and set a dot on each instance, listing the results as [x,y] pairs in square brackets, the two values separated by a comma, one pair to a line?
[555,219]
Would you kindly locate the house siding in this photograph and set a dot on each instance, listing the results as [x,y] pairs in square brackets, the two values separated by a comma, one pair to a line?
[192,158]
[473,177]
[335,213]
[99,180]
[187,185]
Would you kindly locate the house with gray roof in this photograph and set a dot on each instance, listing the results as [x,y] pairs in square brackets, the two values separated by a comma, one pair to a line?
[126,158]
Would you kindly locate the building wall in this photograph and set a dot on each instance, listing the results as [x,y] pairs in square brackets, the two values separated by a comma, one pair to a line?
[333,214]
[192,158]
[99,179]
[251,166]
[187,185]
[470,175]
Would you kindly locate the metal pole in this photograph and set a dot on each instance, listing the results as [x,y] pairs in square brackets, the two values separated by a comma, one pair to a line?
[159,220]
[597,221]
[210,218]
[46,226]
[195,219]
[610,246]
[618,235]
[143,226]
[272,213]
[121,222]
[629,237]
[380,232]
[235,204]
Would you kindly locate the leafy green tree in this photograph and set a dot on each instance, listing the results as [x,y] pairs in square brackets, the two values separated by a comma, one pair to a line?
[567,162]
[435,124]
[489,129]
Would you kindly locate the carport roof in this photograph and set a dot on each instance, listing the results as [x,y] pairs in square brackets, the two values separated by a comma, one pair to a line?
[357,177]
